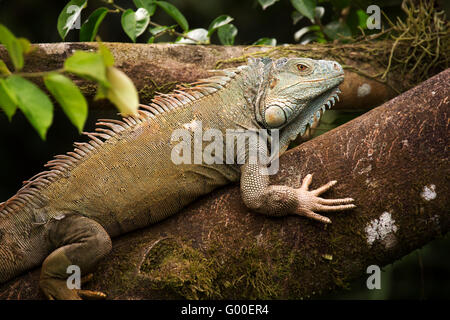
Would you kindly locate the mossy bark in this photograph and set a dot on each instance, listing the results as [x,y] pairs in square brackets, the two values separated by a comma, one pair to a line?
[393,160]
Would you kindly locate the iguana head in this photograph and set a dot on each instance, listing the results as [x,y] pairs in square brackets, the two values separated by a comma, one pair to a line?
[296,90]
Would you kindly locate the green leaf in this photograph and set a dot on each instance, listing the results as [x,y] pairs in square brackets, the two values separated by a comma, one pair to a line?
[69,16]
[142,21]
[90,27]
[33,102]
[151,39]
[101,92]
[305,7]
[122,92]
[227,33]
[106,54]
[335,29]
[356,18]
[218,22]
[8,100]
[300,33]
[128,21]
[266,42]
[266,3]
[148,5]
[4,69]
[89,65]
[319,11]
[13,46]
[69,97]
[135,23]
[296,17]
[362,18]
[157,30]
[172,11]
[25,44]
[199,35]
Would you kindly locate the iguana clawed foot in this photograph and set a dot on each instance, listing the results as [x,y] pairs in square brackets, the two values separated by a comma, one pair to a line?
[310,201]
[56,289]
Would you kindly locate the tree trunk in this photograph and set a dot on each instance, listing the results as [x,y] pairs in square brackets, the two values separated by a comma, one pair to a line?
[393,160]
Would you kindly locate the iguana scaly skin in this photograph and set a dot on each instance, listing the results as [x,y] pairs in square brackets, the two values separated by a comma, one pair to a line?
[124,178]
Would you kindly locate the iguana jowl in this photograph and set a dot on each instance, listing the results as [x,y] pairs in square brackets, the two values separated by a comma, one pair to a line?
[124,179]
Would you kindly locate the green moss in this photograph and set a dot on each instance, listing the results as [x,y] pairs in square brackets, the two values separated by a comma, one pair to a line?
[275,52]
[148,91]
[251,271]
[174,265]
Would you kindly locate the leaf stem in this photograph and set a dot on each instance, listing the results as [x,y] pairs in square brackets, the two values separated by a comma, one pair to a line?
[111,2]
[154,24]
[321,27]
[173,32]
[33,74]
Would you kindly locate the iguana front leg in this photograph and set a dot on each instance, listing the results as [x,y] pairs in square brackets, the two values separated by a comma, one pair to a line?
[277,200]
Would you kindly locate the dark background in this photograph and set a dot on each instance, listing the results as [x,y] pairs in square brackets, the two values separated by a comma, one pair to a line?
[424,274]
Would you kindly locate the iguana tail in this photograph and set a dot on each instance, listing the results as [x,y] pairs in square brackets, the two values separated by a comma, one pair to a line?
[22,243]
[30,238]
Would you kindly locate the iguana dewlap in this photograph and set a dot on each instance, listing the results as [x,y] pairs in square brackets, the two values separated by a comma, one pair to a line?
[125,178]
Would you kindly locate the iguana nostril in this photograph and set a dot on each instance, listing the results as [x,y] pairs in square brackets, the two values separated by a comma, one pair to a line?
[336,66]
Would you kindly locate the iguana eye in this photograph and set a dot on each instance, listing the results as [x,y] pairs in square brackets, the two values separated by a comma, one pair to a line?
[302,67]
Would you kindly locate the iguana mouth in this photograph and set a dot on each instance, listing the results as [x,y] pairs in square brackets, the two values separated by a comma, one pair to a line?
[319,105]
[313,112]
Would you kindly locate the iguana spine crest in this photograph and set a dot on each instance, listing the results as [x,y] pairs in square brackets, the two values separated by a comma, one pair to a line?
[61,165]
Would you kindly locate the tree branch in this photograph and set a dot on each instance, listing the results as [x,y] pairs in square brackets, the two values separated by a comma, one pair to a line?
[159,67]
[393,160]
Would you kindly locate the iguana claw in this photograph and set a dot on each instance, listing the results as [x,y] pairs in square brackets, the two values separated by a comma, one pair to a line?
[310,202]
[56,289]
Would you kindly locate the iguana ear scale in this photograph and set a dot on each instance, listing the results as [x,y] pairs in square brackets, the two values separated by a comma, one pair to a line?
[274,117]
[259,78]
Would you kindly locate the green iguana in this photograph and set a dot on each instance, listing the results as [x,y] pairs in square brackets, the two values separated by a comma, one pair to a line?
[124,177]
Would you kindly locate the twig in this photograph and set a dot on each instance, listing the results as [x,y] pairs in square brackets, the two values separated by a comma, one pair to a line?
[171,31]
[33,74]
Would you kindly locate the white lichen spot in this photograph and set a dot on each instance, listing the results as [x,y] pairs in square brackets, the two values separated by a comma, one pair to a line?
[429,192]
[405,143]
[382,229]
[363,90]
